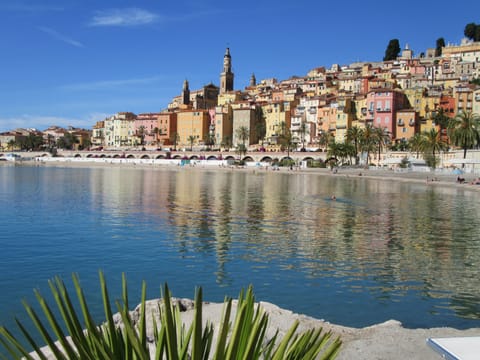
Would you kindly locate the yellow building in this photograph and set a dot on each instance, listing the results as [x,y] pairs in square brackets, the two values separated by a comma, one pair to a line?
[427,112]
[223,126]
[192,125]
[276,117]
[360,104]
[120,130]
[229,97]
[414,97]
[345,115]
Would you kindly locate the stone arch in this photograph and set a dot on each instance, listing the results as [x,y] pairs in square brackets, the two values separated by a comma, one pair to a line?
[116,156]
[212,157]
[248,159]
[130,156]
[229,157]
[161,156]
[177,157]
[267,159]
[193,157]
[77,156]
[145,157]
[308,158]
[89,155]
[285,158]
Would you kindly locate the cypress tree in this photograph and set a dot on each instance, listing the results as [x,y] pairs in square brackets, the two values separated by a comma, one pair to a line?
[392,51]
[440,45]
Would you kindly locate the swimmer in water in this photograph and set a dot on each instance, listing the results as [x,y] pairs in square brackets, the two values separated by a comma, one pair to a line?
[333,197]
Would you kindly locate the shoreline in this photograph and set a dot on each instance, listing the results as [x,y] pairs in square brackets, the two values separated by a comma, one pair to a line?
[387,340]
[440,178]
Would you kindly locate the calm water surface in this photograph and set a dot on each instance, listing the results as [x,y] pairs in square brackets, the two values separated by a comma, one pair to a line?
[383,250]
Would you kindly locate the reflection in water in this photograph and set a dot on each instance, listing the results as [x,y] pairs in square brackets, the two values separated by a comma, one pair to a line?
[392,249]
[374,237]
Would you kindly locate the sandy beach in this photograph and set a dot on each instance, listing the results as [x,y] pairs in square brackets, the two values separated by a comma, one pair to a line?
[388,340]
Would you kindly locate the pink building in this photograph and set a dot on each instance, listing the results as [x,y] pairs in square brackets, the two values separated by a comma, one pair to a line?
[382,106]
[146,128]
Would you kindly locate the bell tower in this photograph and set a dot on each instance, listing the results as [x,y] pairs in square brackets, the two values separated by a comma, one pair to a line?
[226,76]
[185,93]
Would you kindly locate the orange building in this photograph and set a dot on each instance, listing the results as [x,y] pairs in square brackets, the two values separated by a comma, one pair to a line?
[407,124]
[167,127]
[192,125]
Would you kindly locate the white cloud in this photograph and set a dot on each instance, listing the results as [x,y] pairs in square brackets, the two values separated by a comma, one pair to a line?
[111,84]
[123,17]
[61,37]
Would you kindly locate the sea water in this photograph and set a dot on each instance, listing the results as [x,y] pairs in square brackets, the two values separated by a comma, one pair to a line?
[382,250]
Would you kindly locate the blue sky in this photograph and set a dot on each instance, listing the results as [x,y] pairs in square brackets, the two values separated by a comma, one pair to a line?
[74,62]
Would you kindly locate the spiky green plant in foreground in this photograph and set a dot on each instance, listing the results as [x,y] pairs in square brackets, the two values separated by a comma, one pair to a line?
[245,338]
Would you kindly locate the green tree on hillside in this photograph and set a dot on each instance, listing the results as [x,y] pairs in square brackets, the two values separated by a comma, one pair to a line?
[67,141]
[392,51]
[472,31]
[440,45]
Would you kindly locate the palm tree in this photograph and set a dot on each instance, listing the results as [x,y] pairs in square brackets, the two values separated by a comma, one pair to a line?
[333,152]
[175,138]
[11,144]
[354,135]
[381,138]
[141,134]
[303,131]
[442,120]
[227,142]
[155,132]
[416,143]
[286,140]
[243,134]
[434,143]
[209,140]
[367,142]
[464,130]
[191,140]
[324,139]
